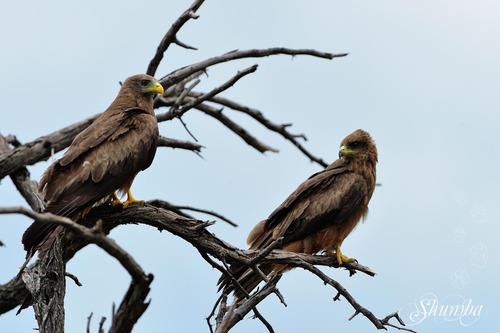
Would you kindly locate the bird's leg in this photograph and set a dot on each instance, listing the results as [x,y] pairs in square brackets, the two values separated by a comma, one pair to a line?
[342,258]
[116,201]
[131,199]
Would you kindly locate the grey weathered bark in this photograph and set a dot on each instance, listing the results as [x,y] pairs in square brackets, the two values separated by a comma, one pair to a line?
[46,284]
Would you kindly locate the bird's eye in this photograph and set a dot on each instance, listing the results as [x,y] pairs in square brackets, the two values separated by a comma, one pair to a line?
[144,82]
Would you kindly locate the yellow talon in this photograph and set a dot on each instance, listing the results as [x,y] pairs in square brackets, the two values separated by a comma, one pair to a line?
[131,200]
[116,201]
[342,258]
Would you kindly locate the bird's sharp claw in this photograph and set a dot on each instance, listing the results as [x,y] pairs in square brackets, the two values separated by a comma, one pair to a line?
[132,201]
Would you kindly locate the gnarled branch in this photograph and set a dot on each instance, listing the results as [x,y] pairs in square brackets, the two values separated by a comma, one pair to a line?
[192,231]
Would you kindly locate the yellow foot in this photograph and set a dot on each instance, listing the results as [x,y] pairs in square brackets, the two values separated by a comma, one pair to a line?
[342,258]
[116,201]
[131,200]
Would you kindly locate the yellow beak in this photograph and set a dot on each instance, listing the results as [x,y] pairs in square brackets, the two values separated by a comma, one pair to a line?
[344,151]
[157,88]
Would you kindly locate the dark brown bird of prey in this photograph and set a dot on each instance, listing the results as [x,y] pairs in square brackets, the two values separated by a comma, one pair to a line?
[101,160]
[320,213]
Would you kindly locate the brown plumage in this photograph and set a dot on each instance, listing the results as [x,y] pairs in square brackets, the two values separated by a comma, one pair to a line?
[102,159]
[320,213]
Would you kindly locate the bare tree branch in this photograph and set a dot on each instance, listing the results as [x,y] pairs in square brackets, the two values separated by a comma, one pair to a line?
[398,318]
[255,114]
[281,129]
[241,310]
[235,128]
[179,210]
[74,278]
[46,284]
[171,36]
[173,143]
[41,148]
[180,110]
[188,229]
[231,125]
[94,235]
[21,179]
[132,306]
[180,74]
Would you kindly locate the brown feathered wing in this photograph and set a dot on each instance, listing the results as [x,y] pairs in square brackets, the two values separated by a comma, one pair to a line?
[332,198]
[102,159]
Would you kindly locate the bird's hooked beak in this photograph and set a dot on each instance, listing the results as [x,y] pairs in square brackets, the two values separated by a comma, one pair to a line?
[345,151]
[156,87]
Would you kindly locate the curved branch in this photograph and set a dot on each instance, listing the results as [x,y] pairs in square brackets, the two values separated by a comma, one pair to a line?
[280,129]
[171,36]
[133,305]
[180,74]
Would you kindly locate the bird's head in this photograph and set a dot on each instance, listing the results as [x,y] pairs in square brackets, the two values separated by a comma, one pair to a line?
[358,146]
[143,84]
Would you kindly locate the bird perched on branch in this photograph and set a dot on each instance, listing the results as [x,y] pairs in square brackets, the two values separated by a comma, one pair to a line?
[102,160]
[319,214]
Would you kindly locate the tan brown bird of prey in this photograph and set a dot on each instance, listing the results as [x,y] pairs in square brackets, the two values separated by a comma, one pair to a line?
[102,160]
[320,213]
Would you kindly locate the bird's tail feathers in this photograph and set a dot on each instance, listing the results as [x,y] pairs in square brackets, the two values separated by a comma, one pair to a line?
[36,235]
[247,278]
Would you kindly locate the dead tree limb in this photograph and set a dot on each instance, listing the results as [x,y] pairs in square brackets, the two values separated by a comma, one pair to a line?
[178,111]
[180,74]
[21,179]
[46,284]
[190,230]
[173,143]
[40,149]
[179,210]
[171,37]
[50,315]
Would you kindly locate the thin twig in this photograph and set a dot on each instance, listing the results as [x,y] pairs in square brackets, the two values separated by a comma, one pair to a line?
[359,309]
[178,209]
[89,319]
[180,100]
[74,278]
[246,306]
[398,318]
[173,143]
[101,324]
[261,254]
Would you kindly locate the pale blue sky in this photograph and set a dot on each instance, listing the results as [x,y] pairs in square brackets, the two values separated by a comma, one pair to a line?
[422,77]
